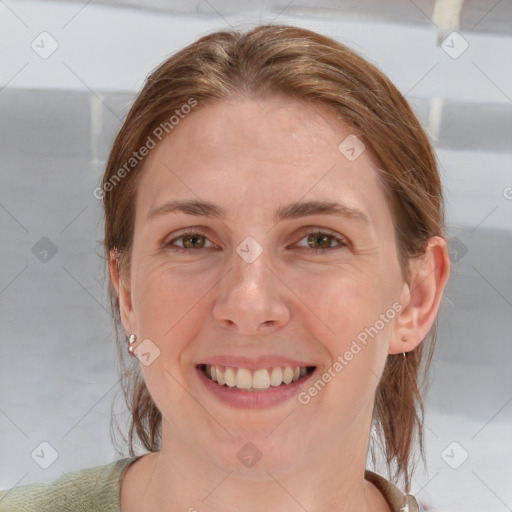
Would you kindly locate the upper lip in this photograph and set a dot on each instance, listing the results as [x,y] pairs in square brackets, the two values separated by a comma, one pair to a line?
[252,363]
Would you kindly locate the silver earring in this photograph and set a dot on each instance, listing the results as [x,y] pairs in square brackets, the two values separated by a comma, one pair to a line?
[131,341]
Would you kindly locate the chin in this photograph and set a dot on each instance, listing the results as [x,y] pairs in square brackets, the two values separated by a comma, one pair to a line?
[254,457]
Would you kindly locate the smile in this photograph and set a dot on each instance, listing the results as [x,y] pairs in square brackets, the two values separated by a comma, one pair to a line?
[261,379]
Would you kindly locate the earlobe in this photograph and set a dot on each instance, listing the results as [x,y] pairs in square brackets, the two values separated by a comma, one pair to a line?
[421,297]
[123,293]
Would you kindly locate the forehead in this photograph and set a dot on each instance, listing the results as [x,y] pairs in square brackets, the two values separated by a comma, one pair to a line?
[252,155]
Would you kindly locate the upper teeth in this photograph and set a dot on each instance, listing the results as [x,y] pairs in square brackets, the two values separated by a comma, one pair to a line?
[262,378]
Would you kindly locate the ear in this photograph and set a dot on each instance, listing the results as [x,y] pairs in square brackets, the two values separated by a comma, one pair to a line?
[421,297]
[122,287]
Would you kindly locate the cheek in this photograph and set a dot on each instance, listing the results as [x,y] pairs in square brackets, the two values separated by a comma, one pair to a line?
[357,347]
[344,313]
[168,302]
[167,298]
[344,300]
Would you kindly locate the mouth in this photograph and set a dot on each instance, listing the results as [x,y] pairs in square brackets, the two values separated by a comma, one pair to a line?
[261,379]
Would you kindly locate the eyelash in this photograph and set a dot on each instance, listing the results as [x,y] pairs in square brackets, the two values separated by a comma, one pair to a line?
[341,241]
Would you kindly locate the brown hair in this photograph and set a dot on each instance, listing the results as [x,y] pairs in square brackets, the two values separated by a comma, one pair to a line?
[304,65]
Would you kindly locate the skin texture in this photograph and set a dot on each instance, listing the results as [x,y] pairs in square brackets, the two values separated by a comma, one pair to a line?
[252,156]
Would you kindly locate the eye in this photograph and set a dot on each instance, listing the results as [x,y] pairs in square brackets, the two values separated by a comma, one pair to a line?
[193,240]
[323,241]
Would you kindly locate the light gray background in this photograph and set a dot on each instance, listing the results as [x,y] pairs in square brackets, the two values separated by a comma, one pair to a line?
[59,116]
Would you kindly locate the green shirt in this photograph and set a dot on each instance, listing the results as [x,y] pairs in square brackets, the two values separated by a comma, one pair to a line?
[97,489]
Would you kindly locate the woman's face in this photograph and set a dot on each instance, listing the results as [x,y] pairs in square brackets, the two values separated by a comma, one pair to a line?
[257,290]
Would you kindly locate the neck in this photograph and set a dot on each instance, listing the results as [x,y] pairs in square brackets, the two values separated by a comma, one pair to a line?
[178,477]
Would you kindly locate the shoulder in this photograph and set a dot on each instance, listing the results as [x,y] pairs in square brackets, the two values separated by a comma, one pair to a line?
[86,490]
[398,501]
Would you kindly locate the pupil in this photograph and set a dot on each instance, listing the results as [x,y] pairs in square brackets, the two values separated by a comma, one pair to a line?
[189,238]
[324,238]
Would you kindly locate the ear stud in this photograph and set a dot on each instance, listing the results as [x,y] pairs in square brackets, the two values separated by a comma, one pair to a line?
[131,341]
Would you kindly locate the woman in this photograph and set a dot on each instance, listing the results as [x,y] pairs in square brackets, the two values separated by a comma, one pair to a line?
[275,237]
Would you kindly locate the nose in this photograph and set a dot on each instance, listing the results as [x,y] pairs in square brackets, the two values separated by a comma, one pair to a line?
[252,298]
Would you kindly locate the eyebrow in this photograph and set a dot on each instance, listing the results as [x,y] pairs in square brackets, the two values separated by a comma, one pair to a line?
[292,211]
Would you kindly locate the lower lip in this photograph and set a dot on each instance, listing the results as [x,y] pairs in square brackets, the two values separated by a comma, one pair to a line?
[254,399]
